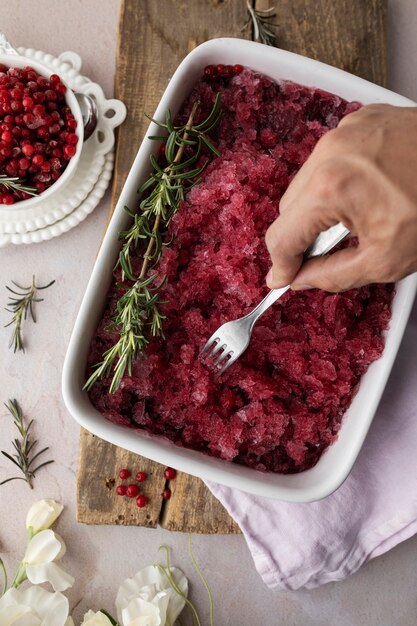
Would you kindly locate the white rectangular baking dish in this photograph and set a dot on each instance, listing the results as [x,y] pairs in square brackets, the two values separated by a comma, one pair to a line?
[336,463]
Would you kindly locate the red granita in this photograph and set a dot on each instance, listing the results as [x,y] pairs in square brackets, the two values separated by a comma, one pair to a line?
[281,404]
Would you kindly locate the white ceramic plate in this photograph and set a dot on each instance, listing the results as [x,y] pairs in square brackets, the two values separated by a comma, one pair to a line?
[337,461]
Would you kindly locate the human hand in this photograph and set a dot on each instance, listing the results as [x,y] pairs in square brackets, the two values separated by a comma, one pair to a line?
[363,174]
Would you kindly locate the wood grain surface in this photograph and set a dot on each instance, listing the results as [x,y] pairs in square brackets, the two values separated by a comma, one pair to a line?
[154,35]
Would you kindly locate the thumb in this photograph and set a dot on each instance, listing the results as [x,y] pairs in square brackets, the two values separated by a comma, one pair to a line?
[342,270]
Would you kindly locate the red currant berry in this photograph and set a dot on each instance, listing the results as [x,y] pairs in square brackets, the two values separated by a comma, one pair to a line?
[38,109]
[42,81]
[28,149]
[54,78]
[210,72]
[72,138]
[220,68]
[166,494]
[24,163]
[38,160]
[6,136]
[28,102]
[50,94]
[132,491]
[121,490]
[39,96]
[142,501]
[71,123]
[42,132]
[141,476]
[54,129]
[16,105]
[237,69]
[170,473]
[69,150]
[60,88]
[124,473]
[8,198]
[16,94]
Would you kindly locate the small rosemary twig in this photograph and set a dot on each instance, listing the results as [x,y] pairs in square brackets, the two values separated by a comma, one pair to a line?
[20,306]
[259,18]
[13,183]
[138,315]
[24,457]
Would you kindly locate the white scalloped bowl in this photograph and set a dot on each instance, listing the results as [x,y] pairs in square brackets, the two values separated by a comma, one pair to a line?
[335,464]
[16,60]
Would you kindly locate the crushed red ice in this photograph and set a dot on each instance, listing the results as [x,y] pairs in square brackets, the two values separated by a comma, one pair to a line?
[282,402]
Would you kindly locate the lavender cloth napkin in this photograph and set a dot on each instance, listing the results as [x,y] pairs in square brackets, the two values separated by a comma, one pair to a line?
[298,546]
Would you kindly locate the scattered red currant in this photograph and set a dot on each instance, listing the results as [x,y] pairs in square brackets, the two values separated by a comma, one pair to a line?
[141,476]
[132,491]
[166,494]
[124,473]
[142,501]
[170,473]
[121,490]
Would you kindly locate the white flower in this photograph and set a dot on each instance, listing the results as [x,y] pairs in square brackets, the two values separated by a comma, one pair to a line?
[95,619]
[148,599]
[44,548]
[42,515]
[33,606]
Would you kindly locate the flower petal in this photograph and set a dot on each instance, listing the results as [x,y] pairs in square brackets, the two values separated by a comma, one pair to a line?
[49,572]
[139,612]
[95,619]
[18,615]
[146,584]
[53,608]
[44,547]
[42,515]
[33,606]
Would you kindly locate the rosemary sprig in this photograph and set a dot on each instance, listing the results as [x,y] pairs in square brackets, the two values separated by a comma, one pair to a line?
[20,304]
[138,316]
[260,20]
[13,183]
[24,457]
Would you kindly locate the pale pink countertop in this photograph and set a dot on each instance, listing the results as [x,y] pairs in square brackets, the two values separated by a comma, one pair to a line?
[383,593]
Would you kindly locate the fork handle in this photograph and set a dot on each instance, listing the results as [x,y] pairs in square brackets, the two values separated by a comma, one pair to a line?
[326,240]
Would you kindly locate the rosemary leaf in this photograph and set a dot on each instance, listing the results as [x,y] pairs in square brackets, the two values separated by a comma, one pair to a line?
[13,183]
[24,447]
[259,19]
[138,317]
[21,306]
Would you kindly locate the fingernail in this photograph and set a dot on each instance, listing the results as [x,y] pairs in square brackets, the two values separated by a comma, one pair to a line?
[301,287]
[268,278]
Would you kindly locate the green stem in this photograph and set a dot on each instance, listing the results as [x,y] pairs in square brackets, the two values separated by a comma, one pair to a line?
[200,573]
[3,569]
[20,575]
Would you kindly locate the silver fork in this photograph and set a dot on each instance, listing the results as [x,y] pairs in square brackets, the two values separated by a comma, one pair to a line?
[232,338]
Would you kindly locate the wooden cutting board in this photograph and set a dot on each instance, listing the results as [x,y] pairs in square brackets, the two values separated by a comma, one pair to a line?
[154,35]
